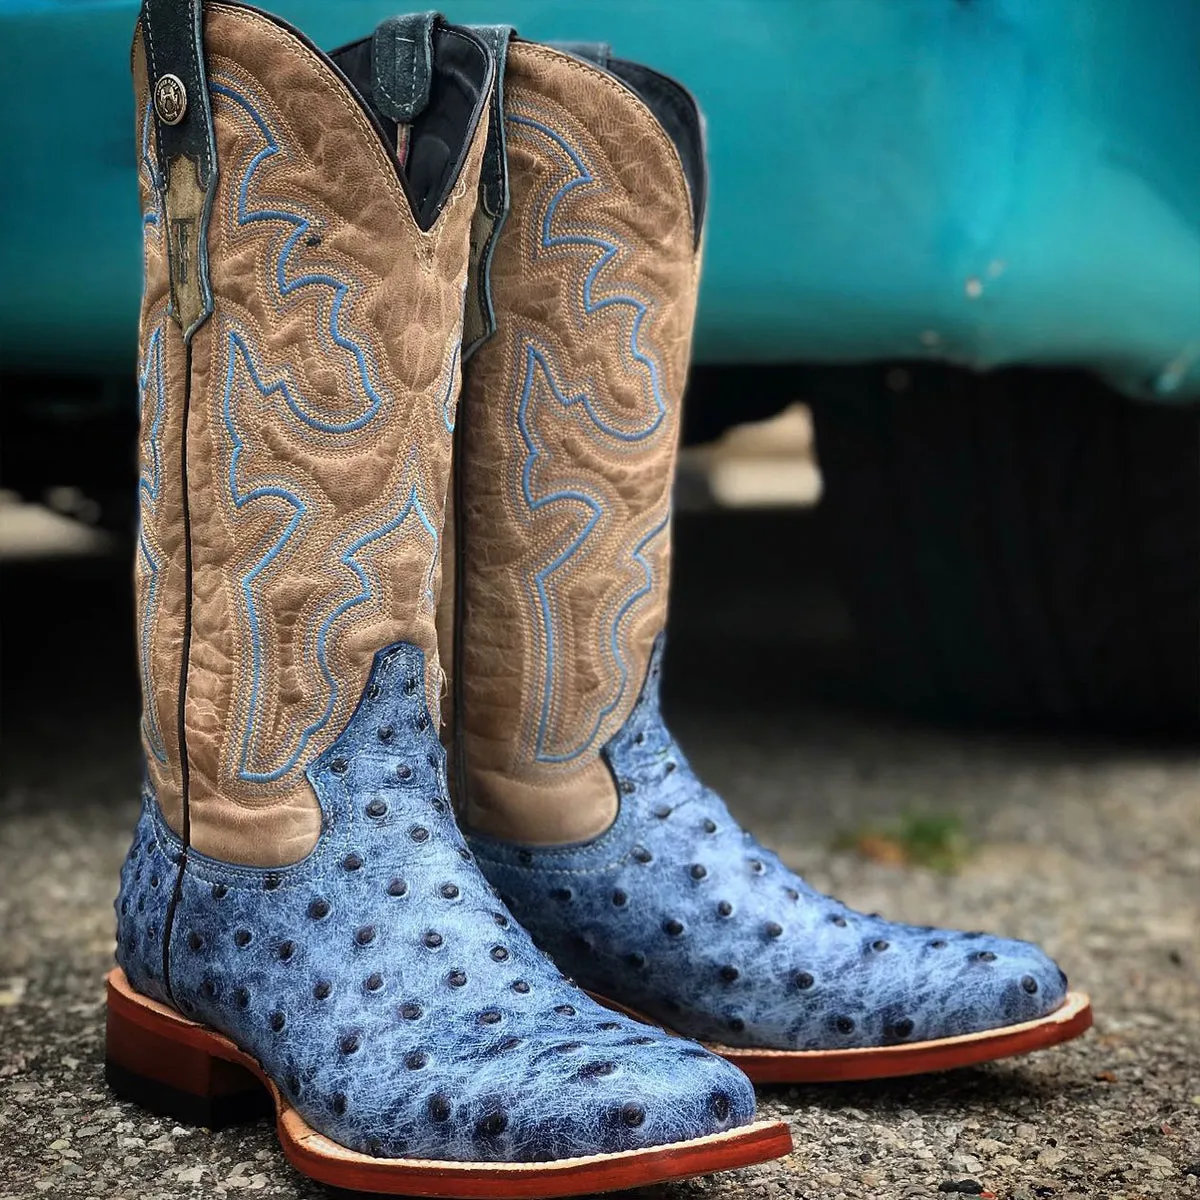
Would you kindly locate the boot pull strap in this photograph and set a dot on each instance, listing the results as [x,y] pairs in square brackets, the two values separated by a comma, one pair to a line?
[480,318]
[402,71]
[186,146]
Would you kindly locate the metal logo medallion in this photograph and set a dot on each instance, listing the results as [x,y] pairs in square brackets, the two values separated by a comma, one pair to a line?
[170,99]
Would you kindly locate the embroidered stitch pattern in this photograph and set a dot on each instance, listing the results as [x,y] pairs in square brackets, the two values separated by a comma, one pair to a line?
[151,219]
[149,484]
[538,365]
[244,376]
[150,382]
[241,362]
[361,367]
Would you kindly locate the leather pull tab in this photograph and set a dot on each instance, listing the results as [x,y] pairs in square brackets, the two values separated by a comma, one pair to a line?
[402,65]
[186,146]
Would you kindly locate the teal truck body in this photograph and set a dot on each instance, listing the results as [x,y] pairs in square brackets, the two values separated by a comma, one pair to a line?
[983,182]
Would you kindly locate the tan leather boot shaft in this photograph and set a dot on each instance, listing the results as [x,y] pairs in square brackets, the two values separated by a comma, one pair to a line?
[569,426]
[296,454]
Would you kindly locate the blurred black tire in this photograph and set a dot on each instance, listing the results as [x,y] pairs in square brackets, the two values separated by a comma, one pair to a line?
[1019,547]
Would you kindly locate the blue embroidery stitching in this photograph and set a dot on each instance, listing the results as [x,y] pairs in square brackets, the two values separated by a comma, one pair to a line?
[149,489]
[239,350]
[150,219]
[537,360]
[609,251]
[287,287]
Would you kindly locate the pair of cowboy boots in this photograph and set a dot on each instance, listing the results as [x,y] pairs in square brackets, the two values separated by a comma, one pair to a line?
[332,540]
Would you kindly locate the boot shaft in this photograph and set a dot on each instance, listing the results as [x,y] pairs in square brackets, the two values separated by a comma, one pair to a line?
[568,436]
[299,376]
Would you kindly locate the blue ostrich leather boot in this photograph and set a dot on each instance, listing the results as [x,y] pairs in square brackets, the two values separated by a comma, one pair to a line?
[300,923]
[580,806]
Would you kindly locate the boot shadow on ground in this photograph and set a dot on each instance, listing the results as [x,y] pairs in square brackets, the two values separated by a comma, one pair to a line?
[966,1090]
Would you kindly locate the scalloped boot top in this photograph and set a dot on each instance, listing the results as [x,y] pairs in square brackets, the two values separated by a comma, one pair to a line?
[581,808]
[301,928]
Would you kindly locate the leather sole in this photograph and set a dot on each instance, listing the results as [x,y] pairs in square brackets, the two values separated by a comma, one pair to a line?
[1071,1019]
[178,1068]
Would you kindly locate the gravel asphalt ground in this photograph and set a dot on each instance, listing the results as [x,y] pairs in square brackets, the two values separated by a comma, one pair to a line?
[1090,847]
